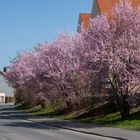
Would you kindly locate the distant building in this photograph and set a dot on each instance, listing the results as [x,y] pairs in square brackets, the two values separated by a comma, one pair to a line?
[6,91]
[2,97]
[100,7]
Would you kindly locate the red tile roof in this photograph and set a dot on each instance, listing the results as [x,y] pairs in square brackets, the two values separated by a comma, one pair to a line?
[105,6]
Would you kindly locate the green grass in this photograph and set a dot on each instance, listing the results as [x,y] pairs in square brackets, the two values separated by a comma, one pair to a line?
[110,120]
[113,120]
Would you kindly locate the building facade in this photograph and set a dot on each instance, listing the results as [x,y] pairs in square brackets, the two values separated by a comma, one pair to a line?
[6,91]
[2,98]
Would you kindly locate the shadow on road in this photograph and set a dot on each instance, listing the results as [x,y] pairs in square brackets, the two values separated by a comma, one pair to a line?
[20,119]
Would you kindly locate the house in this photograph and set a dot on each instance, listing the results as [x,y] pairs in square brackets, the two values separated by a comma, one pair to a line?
[6,91]
[2,97]
[100,7]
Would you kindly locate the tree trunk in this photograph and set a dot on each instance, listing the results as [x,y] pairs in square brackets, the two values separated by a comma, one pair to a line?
[43,104]
[69,105]
[124,108]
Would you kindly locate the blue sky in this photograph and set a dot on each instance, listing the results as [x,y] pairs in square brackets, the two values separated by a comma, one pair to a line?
[25,23]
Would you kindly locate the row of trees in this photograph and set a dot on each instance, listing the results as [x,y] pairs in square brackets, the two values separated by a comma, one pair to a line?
[74,69]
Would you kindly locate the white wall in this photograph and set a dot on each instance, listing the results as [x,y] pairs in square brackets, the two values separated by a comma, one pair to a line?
[5,88]
[2,97]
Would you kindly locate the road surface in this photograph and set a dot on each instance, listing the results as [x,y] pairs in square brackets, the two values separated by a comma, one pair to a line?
[12,128]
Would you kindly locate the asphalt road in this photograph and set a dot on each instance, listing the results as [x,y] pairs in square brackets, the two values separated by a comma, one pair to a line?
[12,128]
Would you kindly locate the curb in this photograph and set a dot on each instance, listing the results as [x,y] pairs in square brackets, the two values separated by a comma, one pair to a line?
[91,133]
[66,128]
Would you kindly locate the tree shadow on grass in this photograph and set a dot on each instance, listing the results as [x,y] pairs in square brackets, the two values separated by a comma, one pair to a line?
[134,116]
[101,110]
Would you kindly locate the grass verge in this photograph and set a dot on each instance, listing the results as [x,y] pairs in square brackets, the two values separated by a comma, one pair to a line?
[110,120]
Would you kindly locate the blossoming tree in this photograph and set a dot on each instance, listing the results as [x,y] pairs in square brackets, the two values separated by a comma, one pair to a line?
[112,45]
